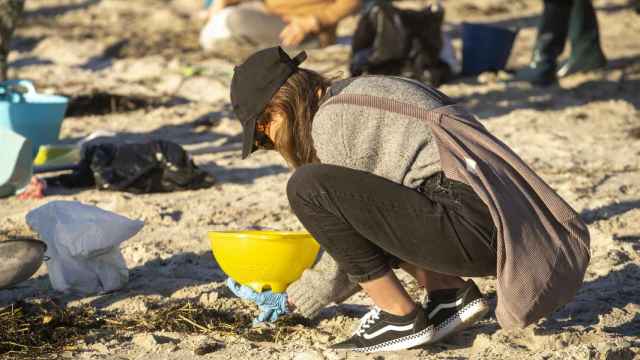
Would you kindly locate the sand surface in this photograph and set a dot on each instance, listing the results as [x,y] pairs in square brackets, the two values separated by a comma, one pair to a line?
[134,68]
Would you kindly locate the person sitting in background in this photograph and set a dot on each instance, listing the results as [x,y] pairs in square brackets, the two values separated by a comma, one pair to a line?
[290,23]
[577,18]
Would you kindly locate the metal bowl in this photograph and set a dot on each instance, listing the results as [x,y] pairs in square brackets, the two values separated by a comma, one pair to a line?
[19,259]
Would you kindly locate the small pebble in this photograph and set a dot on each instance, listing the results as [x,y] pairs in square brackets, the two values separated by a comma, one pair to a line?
[308,355]
[147,341]
[152,341]
[209,299]
[334,354]
[207,347]
[99,347]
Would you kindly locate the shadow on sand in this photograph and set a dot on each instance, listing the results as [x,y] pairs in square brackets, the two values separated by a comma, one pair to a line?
[161,277]
[596,298]
[607,212]
[56,10]
[501,102]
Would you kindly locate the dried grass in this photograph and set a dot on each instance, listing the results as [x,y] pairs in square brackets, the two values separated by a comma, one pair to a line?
[40,330]
[37,330]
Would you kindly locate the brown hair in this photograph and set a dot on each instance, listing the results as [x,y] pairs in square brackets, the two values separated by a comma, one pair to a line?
[298,101]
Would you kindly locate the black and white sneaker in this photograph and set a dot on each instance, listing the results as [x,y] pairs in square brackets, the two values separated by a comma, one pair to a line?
[451,310]
[381,331]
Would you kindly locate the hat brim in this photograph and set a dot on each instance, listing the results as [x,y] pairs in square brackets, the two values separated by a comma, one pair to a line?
[248,137]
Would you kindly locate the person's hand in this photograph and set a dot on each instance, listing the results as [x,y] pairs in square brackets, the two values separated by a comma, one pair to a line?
[272,305]
[298,27]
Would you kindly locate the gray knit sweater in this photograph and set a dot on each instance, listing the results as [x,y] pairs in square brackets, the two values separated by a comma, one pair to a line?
[392,146]
[396,147]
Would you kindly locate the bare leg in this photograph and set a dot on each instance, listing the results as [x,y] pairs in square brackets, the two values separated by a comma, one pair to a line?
[389,295]
[432,280]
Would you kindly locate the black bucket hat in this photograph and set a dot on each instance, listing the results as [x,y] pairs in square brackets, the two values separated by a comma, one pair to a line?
[253,85]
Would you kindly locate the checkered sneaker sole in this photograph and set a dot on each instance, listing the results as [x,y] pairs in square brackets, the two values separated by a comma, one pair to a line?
[462,319]
[402,343]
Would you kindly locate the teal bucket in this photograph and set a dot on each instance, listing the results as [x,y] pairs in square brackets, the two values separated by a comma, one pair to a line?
[35,116]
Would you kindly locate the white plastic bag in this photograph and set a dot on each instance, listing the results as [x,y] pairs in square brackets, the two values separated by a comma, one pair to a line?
[83,244]
[215,29]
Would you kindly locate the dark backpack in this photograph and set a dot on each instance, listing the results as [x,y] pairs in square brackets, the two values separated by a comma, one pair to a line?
[391,41]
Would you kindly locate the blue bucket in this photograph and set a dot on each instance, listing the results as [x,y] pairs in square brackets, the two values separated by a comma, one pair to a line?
[35,116]
[485,47]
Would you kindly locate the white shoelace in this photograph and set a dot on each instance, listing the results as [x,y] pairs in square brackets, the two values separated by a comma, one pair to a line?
[367,320]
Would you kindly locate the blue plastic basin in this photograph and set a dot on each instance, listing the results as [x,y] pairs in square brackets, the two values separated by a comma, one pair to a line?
[37,117]
[485,47]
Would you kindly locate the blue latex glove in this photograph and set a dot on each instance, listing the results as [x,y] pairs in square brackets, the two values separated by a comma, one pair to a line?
[272,305]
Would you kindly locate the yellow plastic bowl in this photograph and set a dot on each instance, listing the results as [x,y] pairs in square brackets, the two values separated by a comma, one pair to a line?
[264,260]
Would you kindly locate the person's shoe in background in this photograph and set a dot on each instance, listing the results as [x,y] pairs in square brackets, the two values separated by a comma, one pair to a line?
[541,73]
[550,40]
[576,64]
[586,52]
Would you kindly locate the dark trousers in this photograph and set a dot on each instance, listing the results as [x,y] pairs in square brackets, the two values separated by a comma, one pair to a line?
[368,224]
[576,18]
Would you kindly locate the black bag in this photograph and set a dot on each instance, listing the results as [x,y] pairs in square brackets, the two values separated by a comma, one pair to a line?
[391,41]
[155,166]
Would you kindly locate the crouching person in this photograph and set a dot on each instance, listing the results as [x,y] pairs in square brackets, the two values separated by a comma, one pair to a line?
[390,173]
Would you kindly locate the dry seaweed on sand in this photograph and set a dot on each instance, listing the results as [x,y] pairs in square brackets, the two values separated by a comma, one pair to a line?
[187,317]
[39,330]
[34,330]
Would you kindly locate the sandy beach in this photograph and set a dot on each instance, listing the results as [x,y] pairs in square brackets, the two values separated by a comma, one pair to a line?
[135,68]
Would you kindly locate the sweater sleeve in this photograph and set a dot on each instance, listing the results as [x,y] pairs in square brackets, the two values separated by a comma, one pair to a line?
[323,284]
[339,9]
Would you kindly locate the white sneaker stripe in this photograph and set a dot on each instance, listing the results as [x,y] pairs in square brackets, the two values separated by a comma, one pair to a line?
[387,328]
[444,306]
